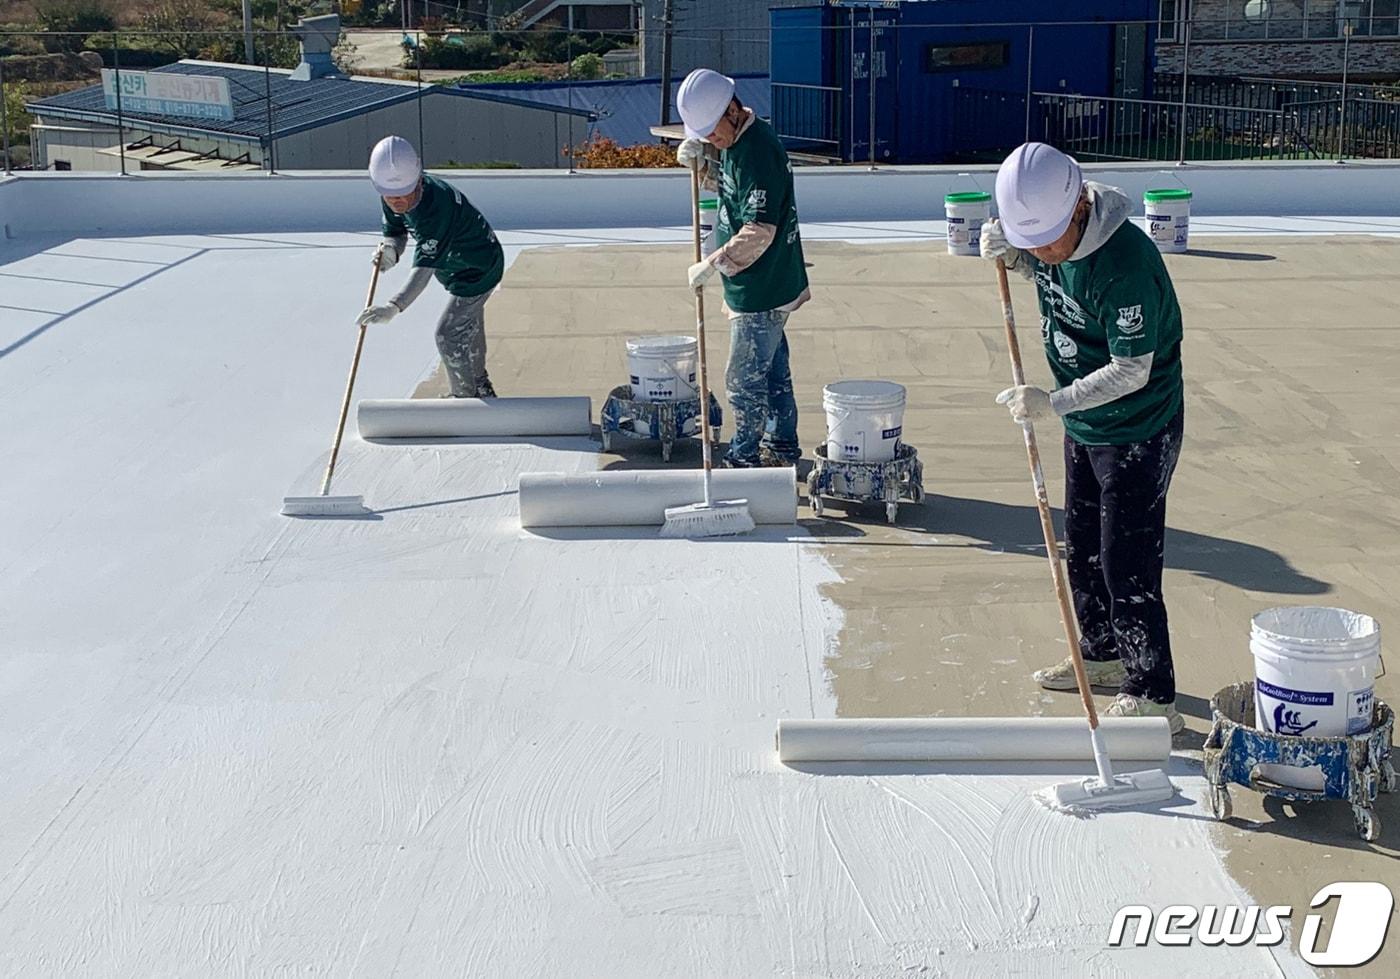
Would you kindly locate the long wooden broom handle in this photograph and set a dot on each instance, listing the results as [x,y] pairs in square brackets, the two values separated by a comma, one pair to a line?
[1042,502]
[350,383]
[700,330]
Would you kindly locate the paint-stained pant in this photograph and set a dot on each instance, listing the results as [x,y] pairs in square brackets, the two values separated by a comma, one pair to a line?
[461,340]
[759,381]
[1115,530]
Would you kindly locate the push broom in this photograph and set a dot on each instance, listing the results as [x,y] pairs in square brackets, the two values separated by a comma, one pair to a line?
[712,518]
[1106,789]
[323,504]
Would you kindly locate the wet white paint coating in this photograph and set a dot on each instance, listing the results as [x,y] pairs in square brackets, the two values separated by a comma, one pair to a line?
[430,744]
[970,739]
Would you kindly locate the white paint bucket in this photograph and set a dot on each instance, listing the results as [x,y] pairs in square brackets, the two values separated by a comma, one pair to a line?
[864,420]
[708,209]
[663,368]
[1315,671]
[1168,217]
[966,213]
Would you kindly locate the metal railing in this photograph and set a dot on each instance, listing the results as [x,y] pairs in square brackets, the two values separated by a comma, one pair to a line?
[980,110]
[1108,129]
[808,117]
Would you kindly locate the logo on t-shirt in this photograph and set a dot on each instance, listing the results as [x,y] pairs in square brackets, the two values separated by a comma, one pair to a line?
[758,199]
[1065,346]
[1130,319]
[429,247]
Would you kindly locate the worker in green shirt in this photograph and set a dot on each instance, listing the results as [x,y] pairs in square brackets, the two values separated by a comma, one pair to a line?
[759,255]
[454,243]
[1111,327]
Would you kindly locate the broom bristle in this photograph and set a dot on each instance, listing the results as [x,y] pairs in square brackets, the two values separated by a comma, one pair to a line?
[723,519]
[324,506]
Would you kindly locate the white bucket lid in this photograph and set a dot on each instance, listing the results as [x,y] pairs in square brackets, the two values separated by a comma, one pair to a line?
[864,394]
[1316,627]
[661,346]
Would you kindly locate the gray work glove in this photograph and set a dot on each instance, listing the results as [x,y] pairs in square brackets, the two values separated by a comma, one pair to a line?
[691,152]
[995,246]
[388,254]
[1027,403]
[699,273]
[377,315]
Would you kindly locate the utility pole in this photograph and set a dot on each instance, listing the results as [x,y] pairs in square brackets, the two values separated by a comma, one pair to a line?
[248,52]
[667,22]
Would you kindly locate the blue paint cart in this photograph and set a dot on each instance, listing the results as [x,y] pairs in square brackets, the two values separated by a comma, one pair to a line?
[900,479]
[657,421]
[1354,767]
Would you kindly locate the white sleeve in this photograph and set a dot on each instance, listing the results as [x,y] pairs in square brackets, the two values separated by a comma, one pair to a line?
[413,288]
[1119,377]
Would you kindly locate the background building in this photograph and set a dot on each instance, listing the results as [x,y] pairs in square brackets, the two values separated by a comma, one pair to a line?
[1284,38]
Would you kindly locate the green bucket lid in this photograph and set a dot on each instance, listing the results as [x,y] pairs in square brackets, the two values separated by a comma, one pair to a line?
[1168,194]
[968,197]
[709,205]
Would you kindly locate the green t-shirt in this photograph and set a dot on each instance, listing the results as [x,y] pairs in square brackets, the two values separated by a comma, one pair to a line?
[755,186]
[452,238]
[1118,301]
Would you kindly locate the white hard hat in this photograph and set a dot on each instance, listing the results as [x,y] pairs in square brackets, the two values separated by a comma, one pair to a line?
[1037,189]
[702,99]
[393,167]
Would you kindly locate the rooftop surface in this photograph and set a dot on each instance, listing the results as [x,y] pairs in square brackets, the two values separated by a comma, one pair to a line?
[431,743]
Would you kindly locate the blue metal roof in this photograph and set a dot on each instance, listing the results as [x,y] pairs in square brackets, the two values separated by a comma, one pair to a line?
[296,106]
[623,110]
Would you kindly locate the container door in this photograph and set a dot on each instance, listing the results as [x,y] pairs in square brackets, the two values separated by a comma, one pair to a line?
[873,57]
[1129,77]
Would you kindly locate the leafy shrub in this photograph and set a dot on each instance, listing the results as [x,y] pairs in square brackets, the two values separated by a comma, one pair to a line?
[587,66]
[602,153]
[458,51]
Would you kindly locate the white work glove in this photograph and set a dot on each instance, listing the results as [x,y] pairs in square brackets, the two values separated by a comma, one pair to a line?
[700,273]
[1027,403]
[377,315]
[691,152]
[388,254]
[995,246]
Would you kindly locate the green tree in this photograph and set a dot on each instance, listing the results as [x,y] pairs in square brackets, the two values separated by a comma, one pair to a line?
[183,27]
[70,21]
[16,119]
[587,66]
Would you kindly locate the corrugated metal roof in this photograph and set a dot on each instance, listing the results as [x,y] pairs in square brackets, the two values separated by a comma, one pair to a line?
[296,106]
[622,110]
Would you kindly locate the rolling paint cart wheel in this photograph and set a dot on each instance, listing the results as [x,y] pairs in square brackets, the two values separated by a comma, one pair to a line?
[666,422]
[901,480]
[1354,768]
[1220,805]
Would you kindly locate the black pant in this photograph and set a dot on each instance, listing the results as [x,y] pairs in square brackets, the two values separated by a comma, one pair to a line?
[1115,528]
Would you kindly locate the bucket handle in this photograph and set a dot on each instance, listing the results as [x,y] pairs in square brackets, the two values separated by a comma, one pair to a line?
[1175,176]
[970,177]
[675,373]
[1381,657]
[847,412]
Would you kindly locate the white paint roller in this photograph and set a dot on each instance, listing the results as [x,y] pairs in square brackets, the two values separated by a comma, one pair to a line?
[417,418]
[639,498]
[969,739]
